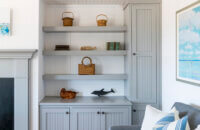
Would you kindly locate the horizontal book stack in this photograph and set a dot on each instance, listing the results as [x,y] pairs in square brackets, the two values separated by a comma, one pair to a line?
[62,47]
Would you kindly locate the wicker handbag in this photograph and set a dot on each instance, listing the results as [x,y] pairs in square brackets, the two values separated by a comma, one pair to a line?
[86,69]
[67,21]
[102,22]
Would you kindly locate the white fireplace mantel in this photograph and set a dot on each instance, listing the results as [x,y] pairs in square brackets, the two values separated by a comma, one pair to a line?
[15,64]
[16,53]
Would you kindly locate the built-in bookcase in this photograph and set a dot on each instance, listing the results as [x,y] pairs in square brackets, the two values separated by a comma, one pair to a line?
[133,72]
[61,67]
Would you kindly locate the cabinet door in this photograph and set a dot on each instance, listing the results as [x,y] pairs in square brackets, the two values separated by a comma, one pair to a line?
[85,118]
[145,24]
[54,118]
[138,116]
[115,116]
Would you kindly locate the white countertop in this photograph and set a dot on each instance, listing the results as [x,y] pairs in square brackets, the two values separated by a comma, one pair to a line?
[87,100]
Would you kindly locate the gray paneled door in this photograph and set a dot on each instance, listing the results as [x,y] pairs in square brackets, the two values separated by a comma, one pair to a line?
[55,118]
[144,50]
[85,118]
[145,58]
[114,116]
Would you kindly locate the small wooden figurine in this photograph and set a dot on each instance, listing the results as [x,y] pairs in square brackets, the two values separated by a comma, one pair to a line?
[67,94]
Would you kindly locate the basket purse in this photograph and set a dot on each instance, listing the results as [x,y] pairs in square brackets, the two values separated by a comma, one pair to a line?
[86,69]
[67,21]
[101,22]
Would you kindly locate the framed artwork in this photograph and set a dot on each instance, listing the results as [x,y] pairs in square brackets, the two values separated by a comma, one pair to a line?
[188,44]
[4,21]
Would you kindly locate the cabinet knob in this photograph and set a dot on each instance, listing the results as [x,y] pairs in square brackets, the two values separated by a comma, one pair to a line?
[98,112]
[134,54]
[67,113]
[103,113]
[134,110]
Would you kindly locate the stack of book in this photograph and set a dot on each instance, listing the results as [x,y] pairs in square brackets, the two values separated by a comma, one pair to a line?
[113,46]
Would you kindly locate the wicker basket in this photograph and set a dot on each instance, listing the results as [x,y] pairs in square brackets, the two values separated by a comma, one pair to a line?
[67,21]
[86,69]
[102,22]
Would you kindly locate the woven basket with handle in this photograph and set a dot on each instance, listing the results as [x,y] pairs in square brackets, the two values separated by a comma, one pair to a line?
[86,69]
[101,22]
[67,21]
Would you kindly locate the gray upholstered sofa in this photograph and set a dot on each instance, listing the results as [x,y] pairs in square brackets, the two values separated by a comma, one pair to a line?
[193,117]
[133,127]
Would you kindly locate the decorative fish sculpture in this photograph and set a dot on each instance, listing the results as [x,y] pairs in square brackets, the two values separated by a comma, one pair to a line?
[102,92]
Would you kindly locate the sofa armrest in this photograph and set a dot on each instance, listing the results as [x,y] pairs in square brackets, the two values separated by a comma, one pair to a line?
[133,127]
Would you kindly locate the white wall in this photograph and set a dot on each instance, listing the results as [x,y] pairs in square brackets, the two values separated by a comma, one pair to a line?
[172,90]
[24,35]
[85,15]
[24,17]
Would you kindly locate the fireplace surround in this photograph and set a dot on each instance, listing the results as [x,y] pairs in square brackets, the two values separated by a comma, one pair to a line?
[14,81]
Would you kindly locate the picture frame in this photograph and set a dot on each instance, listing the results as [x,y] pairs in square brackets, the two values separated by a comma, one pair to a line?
[188,44]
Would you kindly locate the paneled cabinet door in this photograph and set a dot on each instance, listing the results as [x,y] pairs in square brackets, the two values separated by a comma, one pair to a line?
[145,28]
[138,116]
[85,118]
[55,118]
[114,116]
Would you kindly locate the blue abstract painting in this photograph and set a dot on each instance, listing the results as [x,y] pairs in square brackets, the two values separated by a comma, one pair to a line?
[188,44]
[4,29]
[4,21]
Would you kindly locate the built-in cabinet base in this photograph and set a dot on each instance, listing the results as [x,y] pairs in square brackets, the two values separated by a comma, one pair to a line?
[84,113]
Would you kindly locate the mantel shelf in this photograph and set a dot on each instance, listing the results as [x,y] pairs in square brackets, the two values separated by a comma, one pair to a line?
[86,29]
[85,53]
[17,53]
[84,77]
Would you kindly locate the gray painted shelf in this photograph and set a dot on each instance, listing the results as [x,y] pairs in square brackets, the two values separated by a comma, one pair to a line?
[84,77]
[54,29]
[84,53]
[90,100]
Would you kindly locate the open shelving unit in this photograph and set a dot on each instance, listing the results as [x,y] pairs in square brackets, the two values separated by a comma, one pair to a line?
[84,29]
[84,77]
[84,53]
[87,29]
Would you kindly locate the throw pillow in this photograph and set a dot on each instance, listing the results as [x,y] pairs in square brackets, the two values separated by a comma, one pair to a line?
[198,127]
[181,124]
[170,117]
[153,115]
